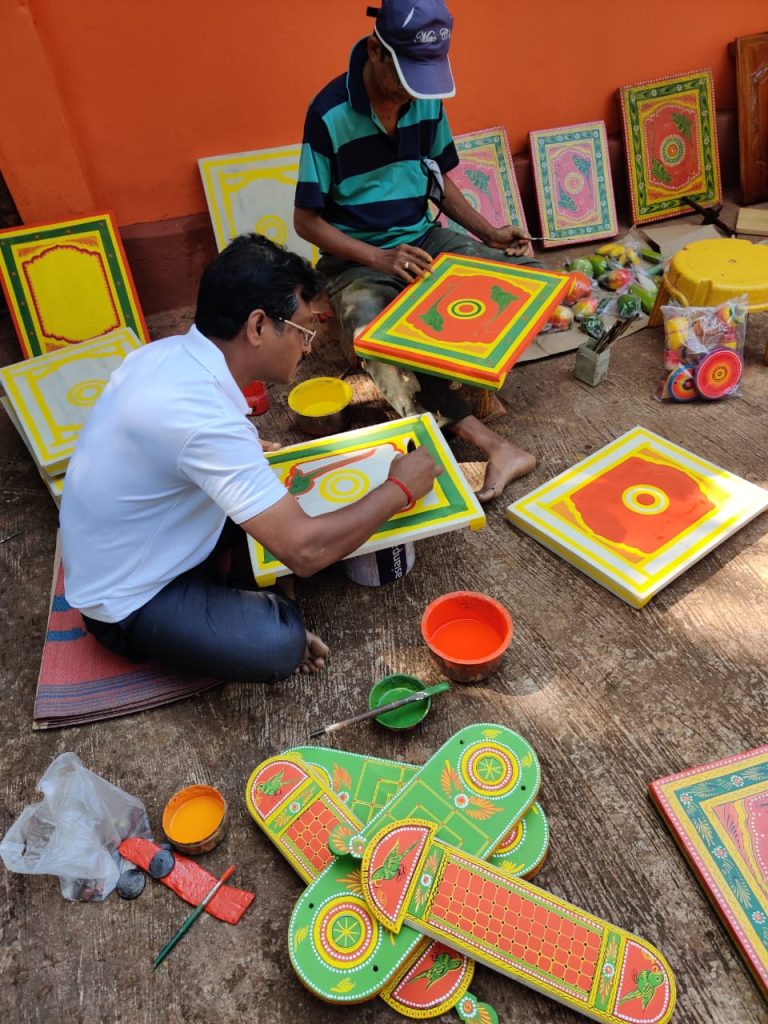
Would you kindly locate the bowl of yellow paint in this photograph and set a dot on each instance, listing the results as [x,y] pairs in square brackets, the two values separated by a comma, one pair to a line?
[319,405]
[193,819]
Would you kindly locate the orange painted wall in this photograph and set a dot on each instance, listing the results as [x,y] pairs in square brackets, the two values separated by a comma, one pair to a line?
[134,91]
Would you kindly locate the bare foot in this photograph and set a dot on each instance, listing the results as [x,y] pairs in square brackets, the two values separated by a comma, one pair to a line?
[315,654]
[506,463]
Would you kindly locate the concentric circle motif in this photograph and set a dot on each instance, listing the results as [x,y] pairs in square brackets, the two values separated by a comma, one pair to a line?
[274,227]
[574,183]
[718,373]
[680,385]
[345,934]
[466,309]
[672,150]
[343,486]
[489,768]
[86,392]
[645,499]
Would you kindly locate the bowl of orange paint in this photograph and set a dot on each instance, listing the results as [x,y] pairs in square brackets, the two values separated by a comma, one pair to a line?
[319,405]
[193,819]
[467,633]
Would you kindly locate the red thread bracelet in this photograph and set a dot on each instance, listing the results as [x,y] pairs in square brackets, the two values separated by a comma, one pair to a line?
[406,492]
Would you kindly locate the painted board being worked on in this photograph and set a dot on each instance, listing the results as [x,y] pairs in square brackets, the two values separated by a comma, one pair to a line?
[469,319]
[330,472]
[574,188]
[718,813]
[637,513]
[53,394]
[254,191]
[486,178]
[670,140]
[67,282]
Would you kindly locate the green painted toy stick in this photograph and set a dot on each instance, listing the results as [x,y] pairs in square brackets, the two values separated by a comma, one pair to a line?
[192,918]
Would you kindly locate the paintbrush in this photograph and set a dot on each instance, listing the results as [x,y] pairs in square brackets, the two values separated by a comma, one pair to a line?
[428,691]
[192,918]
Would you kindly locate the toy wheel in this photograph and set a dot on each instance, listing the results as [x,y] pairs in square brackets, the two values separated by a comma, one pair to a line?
[718,373]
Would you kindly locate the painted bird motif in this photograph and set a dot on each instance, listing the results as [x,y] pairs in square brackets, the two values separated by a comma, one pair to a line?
[442,965]
[272,786]
[392,864]
[646,983]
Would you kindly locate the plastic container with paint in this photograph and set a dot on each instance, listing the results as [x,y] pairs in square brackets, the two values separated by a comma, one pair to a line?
[194,818]
[257,398]
[395,687]
[467,634]
[319,405]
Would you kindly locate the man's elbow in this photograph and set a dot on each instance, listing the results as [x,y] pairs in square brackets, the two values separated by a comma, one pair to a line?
[306,561]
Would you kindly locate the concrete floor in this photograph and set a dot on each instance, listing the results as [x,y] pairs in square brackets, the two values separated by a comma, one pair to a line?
[610,698]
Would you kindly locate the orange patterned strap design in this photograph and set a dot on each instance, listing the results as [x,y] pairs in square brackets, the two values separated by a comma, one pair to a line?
[515,928]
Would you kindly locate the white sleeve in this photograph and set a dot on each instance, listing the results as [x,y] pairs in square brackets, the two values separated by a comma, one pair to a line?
[226,461]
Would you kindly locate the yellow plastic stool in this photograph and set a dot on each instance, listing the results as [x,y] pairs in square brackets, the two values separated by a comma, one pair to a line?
[709,272]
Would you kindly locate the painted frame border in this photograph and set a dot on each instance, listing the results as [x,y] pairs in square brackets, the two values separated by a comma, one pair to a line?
[512,211]
[700,81]
[463,508]
[686,801]
[485,366]
[532,514]
[554,228]
[120,284]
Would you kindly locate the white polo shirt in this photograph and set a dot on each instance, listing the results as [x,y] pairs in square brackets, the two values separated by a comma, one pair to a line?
[165,456]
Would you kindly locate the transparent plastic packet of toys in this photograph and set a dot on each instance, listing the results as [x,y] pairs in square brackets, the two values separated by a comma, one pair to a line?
[703,351]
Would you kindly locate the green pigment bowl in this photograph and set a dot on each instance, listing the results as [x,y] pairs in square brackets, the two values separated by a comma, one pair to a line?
[395,688]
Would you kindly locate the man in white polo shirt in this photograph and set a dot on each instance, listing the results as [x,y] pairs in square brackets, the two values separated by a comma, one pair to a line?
[168,456]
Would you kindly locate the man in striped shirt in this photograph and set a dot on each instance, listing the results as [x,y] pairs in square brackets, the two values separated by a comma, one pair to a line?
[377,146]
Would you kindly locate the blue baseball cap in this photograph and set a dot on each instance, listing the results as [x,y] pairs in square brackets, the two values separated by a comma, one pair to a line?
[417,34]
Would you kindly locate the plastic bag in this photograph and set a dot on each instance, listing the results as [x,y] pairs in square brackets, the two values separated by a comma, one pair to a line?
[74,831]
[703,351]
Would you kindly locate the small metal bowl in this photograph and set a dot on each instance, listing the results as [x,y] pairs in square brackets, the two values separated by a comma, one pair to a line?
[319,405]
[194,819]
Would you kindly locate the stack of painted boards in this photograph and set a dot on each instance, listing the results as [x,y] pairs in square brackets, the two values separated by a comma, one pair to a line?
[74,306]
[48,398]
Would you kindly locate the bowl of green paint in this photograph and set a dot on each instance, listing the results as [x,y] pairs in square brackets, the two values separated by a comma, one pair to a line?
[395,687]
[467,633]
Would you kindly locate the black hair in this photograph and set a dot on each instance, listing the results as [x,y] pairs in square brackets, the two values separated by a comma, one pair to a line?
[251,273]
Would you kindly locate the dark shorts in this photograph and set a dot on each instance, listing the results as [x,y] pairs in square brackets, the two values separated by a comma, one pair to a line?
[201,625]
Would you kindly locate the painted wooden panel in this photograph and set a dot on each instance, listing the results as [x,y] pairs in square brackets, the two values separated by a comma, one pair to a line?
[330,472]
[637,513]
[751,54]
[670,140]
[254,191]
[469,319]
[574,188]
[53,394]
[67,282]
[718,813]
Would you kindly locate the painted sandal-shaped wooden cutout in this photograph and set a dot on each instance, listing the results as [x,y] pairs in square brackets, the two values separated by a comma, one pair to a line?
[484,777]
[367,784]
[409,877]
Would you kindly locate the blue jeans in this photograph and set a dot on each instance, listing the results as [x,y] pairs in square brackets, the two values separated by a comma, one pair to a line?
[198,624]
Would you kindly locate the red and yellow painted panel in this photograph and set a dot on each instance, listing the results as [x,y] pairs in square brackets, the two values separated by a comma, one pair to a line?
[331,472]
[670,138]
[718,813]
[469,319]
[53,394]
[67,282]
[638,513]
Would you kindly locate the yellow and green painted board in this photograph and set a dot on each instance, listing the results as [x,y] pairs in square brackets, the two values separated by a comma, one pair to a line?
[67,282]
[330,472]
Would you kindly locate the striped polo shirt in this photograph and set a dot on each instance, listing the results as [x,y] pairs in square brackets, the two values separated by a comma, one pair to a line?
[369,185]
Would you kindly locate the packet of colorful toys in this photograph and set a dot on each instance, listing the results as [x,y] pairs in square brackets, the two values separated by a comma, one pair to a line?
[703,351]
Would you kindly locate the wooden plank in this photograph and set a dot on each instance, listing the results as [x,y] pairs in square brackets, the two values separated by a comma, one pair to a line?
[751,54]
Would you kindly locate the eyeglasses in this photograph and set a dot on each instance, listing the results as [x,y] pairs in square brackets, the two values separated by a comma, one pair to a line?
[307,336]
